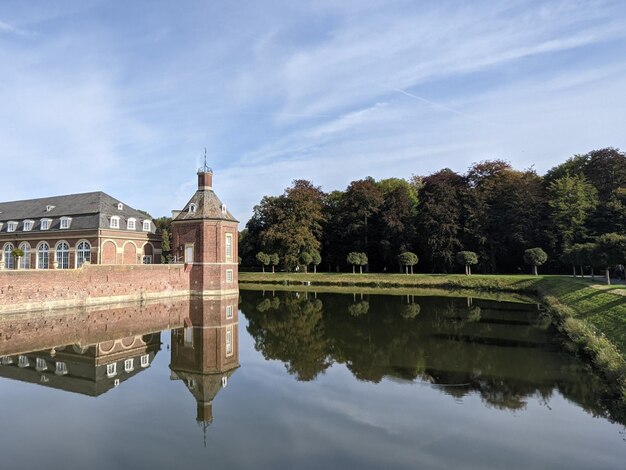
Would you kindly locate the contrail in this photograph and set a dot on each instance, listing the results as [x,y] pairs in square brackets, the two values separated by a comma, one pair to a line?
[441,106]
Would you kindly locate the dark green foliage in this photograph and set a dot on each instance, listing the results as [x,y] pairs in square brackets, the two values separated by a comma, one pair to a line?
[467,259]
[263,259]
[358,259]
[535,257]
[274,260]
[407,259]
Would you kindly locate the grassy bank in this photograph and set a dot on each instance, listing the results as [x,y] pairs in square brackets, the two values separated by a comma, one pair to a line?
[591,315]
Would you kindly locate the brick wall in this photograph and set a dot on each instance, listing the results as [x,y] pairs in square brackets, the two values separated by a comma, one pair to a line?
[25,290]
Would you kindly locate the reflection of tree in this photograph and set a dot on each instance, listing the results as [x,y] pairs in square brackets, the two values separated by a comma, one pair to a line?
[359,308]
[292,331]
[503,352]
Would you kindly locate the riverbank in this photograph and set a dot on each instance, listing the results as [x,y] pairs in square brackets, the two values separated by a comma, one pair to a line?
[590,314]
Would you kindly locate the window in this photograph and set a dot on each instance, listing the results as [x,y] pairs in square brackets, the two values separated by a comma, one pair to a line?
[115,222]
[6,360]
[83,254]
[145,360]
[43,256]
[229,341]
[28,225]
[229,275]
[22,361]
[45,224]
[11,226]
[9,261]
[229,311]
[63,255]
[223,208]
[192,208]
[229,247]
[128,365]
[60,368]
[25,260]
[224,381]
[66,222]
[120,206]
[131,224]
[188,339]
[111,370]
[147,226]
[49,208]
[189,253]
[40,364]
[1,225]
[147,259]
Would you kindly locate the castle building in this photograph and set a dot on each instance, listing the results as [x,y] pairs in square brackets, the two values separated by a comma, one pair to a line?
[205,237]
[64,232]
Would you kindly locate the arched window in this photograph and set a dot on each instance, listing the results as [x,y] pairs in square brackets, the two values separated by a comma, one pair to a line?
[25,261]
[192,208]
[63,255]
[83,253]
[9,262]
[43,255]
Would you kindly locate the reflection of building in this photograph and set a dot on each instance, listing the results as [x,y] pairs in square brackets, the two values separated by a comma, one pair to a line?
[67,231]
[206,352]
[90,370]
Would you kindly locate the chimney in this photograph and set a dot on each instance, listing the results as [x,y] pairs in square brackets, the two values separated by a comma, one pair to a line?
[205,180]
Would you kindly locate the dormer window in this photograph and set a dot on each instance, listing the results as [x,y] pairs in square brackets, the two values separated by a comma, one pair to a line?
[147,225]
[115,222]
[45,224]
[223,208]
[66,222]
[130,224]
[120,206]
[11,226]
[28,225]
[192,208]
[49,208]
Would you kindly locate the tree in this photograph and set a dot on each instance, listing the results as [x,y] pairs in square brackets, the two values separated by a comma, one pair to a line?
[316,259]
[305,259]
[356,258]
[407,259]
[467,259]
[571,199]
[611,251]
[535,257]
[274,260]
[263,259]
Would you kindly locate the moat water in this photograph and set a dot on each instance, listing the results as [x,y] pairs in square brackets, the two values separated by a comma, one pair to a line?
[301,380]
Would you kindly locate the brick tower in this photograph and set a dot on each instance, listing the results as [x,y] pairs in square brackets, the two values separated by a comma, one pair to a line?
[204,236]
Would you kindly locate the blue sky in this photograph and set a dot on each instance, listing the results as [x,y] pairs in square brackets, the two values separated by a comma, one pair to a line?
[124,96]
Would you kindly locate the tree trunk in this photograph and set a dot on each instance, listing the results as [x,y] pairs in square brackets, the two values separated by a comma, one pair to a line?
[593,275]
[306,268]
[582,272]
[360,269]
[574,270]
[608,277]
[263,269]
[273,272]
[406,270]
[535,270]
[469,270]
[353,269]
[315,269]
[411,269]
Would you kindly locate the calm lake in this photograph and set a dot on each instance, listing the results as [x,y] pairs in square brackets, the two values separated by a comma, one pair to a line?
[301,380]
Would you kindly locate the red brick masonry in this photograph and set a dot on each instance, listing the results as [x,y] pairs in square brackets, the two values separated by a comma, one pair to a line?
[30,290]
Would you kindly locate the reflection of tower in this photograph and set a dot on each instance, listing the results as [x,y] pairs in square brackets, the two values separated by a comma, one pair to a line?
[206,352]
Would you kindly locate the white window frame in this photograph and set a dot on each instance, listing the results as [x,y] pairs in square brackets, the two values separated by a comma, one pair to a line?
[129,365]
[1,225]
[147,225]
[114,222]
[111,370]
[25,260]
[145,360]
[66,222]
[188,336]
[12,226]
[120,206]
[192,208]
[6,360]
[83,254]
[229,246]
[230,311]
[9,259]
[45,224]
[229,275]
[60,368]
[49,208]
[43,262]
[40,364]
[63,263]
[229,341]
[131,224]
[22,361]
[28,225]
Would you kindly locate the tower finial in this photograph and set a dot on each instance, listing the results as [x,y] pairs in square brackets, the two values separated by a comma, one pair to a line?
[205,168]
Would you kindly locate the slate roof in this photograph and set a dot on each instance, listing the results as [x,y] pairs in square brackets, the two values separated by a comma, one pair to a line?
[208,206]
[88,211]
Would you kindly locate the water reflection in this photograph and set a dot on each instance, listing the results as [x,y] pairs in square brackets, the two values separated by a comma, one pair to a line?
[506,353]
[94,350]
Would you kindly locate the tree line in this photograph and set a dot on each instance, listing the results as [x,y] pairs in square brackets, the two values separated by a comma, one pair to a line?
[492,211]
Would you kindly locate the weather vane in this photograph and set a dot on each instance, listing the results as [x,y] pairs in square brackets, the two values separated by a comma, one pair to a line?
[205,168]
